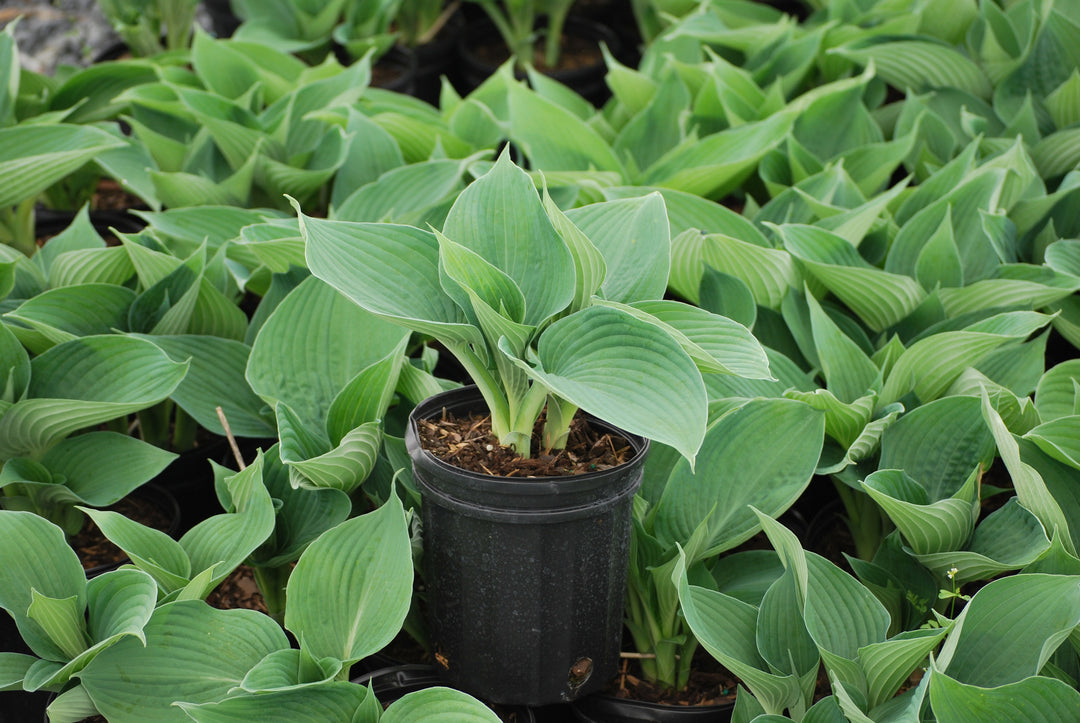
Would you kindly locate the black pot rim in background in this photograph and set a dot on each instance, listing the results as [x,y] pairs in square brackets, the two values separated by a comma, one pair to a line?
[525,578]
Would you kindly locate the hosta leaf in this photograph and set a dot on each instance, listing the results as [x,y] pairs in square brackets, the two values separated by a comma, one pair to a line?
[1010,627]
[493,215]
[62,620]
[289,360]
[725,627]
[1058,153]
[1059,438]
[215,225]
[327,702]
[931,364]
[68,312]
[717,164]
[918,64]
[888,664]
[125,681]
[344,467]
[36,556]
[13,668]
[152,551]
[83,382]
[1057,394]
[1030,488]
[844,422]
[392,271]
[1009,539]
[848,371]
[110,265]
[769,273]
[938,263]
[1034,698]
[554,138]
[405,194]
[1016,285]
[938,444]
[626,371]
[719,344]
[880,298]
[35,157]
[223,541]
[588,261]
[350,591]
[438,705]
[927,526]
[633,237]
[102,467]
[215,378]
[783,435]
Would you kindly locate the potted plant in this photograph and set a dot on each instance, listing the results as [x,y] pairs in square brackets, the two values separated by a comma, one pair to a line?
[546,321]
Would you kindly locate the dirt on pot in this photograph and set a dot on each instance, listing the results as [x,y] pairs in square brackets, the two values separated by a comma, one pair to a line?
[468,443]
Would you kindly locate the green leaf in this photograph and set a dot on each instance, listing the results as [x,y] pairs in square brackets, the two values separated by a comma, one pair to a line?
[553,138]
[918,64]
[1059,439]
[633,237]
[365,262]
[291,363]
[782,437]
[206,651]
[215,378]
[493,215]
[350,591]
[627,372]
[438,705]
[1035,698]
[152,551]
[327,702]
[102,467]
[1030,487]
[34,157]
[68,312]
[850,374]
[880,298]
[931,364]
[83,382]
[1010,627]
[1057,395]
[928,527]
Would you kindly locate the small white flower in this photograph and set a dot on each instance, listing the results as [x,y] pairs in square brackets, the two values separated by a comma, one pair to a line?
[952,572]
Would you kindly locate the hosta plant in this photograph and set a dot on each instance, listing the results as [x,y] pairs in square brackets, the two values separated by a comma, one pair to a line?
[74,386]
[545,311]
[142,23]
[705,511]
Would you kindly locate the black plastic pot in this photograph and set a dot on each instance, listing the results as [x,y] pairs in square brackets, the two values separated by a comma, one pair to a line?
[609,709]
[526,578]
[223,21]
[586,80]
[18,706]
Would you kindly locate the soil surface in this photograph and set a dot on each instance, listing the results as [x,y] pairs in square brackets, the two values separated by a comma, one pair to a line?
[468,443]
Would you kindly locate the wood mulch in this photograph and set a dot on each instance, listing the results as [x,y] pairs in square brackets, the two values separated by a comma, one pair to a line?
[467,443]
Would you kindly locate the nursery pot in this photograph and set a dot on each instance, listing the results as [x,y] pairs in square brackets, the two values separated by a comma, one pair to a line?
[525,577]
[609,709]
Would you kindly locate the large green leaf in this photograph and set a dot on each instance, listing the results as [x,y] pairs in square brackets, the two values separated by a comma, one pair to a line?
[83,382]
[626,371]
[1059,438]
[932,363]
[633,237]
[1010,628]
[313,344]
[35,555]
[918,63]
[34,157]
[762,454]
[150,550]
[1057,394]
[1034,698]
[880,298]
[500,217]
[215,379]
[928,527]
[350,591]
[64,313]
[206,652]
[102,467]
[389,270]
